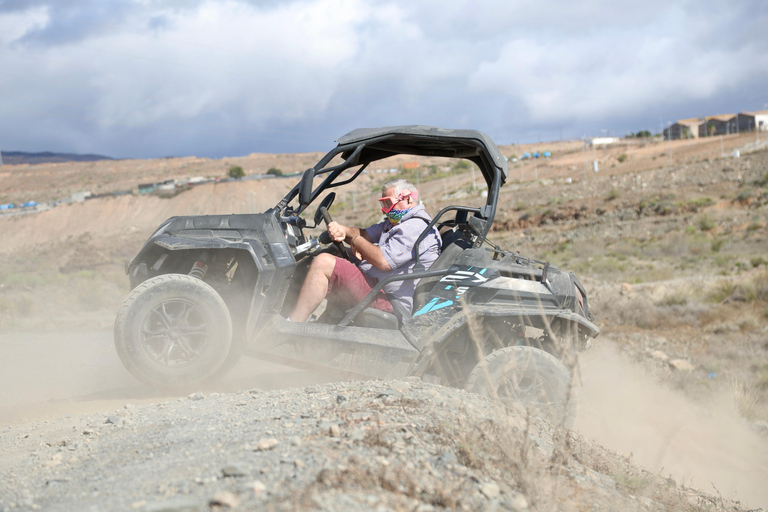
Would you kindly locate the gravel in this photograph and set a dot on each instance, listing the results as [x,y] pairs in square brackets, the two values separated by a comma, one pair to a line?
[359,445]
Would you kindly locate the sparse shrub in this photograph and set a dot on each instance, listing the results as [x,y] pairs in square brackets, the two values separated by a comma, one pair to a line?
[701,202]
[274,171]
[462,165]
[613,194]
[754,226]
[678,297]
[520,206]
[717,244]
[748,398]
[721,291]
[236,172]
[706,223]
[744,196]
[622,158]
[757,261]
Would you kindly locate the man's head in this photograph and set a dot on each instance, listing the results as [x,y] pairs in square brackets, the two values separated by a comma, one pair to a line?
[398,194]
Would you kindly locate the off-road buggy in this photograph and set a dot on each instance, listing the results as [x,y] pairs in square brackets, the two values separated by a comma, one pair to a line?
[207,289]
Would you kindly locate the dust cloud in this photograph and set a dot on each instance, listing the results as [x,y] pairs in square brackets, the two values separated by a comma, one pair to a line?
[47,375]
[705,446]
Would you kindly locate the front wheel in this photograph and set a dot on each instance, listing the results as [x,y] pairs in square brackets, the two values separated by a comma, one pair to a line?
[527,376]
[173,330]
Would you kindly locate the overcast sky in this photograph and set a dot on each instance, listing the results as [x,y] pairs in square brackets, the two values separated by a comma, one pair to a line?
[214,78]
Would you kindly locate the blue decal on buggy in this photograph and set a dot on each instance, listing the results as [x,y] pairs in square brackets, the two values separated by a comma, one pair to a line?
[433,306]
[482,271]
[448,287]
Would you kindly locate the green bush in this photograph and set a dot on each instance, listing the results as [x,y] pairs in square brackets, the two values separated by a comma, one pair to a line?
[701,202]
[274,171]
[706,223]
[462,165]
[236,172]
[613,194]
[744,196]
[622,158]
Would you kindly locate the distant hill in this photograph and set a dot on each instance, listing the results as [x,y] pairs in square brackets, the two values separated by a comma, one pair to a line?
[20,157]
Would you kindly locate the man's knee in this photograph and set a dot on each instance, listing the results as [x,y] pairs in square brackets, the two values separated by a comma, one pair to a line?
[324,263]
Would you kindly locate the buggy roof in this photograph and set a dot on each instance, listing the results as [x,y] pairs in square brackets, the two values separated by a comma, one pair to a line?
[426,141]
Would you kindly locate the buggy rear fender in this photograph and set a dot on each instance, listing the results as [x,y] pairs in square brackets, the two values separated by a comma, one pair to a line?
[422,332]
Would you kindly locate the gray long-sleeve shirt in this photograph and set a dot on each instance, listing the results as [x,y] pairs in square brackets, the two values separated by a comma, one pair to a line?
[396,242]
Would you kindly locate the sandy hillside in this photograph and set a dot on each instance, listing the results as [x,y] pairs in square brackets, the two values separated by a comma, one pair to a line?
[673,255]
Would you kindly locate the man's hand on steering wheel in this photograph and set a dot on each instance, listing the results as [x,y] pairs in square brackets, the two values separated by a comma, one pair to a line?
[337,233]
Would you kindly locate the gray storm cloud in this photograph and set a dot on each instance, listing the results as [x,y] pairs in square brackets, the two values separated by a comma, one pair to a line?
[216,78]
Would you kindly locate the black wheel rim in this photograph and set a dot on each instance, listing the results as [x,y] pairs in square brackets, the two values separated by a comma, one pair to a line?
[174,333]
[525,387]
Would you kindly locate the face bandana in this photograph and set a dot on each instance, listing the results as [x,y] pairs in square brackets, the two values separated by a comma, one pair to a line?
[395,216]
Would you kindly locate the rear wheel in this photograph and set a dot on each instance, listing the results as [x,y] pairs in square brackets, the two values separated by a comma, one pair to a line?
[528,376]
[173,330]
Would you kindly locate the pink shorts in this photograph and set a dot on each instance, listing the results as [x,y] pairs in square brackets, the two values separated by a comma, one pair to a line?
[350,286]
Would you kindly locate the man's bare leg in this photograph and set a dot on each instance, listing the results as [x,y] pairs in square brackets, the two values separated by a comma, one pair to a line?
[315,286]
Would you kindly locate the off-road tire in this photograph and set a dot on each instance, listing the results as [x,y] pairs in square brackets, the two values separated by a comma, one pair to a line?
[173,330]
[530,377]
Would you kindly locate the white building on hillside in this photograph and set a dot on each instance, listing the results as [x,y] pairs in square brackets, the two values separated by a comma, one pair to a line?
[750,121]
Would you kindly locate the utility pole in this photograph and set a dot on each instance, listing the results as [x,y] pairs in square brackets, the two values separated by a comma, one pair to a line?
[669,128]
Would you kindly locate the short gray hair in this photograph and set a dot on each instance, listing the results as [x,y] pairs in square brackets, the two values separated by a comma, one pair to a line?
[399,184]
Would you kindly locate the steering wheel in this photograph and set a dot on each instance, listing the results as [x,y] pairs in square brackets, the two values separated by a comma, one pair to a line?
[327,218]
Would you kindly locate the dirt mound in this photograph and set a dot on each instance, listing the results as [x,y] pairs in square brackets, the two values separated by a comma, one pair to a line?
[347,446]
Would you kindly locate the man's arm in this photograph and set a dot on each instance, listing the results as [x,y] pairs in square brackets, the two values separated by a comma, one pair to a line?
[359,240]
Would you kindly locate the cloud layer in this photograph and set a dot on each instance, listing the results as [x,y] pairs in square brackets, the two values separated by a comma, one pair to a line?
[140,78]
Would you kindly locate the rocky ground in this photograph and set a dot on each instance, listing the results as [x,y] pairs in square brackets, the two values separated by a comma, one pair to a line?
[674,259]
[345,446]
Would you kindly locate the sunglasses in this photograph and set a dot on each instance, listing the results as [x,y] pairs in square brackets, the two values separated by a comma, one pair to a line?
[388,203]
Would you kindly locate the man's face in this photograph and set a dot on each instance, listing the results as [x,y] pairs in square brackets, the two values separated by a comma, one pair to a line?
[390,202]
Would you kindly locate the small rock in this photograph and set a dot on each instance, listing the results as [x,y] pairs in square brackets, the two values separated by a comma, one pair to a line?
[259,487]
[178,505]
[115,420]
[334,431]
[681,365]
[233,470]
[520,502]
[659,356]
[197,396]
[490,490]
[266,444]
[299,463]
[225,499]
[296,441]
[340,399]
[626,288]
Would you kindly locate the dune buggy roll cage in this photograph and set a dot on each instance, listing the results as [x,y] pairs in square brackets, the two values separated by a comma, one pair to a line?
[363,146]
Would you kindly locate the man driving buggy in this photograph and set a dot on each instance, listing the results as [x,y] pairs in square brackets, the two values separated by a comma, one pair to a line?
[380,251]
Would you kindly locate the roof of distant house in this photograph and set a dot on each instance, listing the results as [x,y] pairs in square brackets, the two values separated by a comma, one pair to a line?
[721,117]
[691,121]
